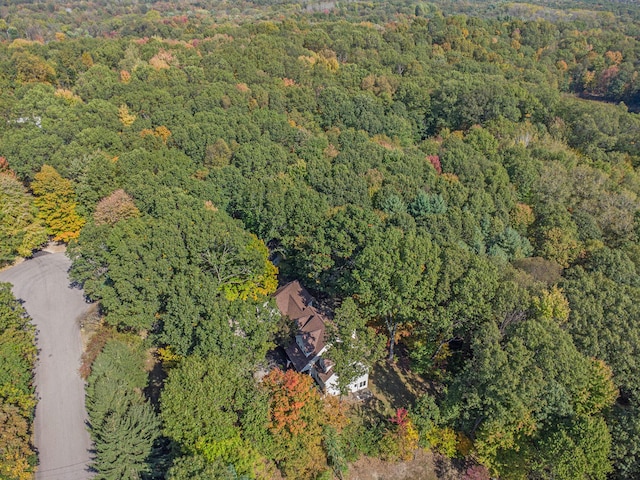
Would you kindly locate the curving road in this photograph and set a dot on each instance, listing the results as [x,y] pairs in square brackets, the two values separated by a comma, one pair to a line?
[61,437]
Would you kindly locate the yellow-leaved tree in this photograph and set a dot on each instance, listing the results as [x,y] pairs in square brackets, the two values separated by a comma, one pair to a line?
[56,202]
[258,283]
[125,117]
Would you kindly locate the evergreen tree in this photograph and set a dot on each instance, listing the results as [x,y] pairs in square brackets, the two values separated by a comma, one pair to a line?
[123,426]
[124,442]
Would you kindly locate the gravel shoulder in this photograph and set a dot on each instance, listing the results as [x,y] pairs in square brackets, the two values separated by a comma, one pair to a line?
[61,437]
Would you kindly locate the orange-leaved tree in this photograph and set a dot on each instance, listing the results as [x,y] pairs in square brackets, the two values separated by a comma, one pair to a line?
[293,398]
[56,204]
[296,419]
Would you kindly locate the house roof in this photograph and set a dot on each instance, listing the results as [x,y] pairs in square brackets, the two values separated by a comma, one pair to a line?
[295,301]
[292,299]
[311,331]
[325,370]
[297,357]
[324,377]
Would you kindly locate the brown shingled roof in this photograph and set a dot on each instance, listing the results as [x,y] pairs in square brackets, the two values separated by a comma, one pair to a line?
[295,301]
[296,356]
[312,329]
[292,299]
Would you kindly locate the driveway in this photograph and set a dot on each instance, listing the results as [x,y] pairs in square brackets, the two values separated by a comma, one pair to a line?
[61,437]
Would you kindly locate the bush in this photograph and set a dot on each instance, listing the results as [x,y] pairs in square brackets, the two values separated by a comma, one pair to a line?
[361,438]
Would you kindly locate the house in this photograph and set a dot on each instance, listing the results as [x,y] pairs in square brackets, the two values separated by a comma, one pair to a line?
[306,352]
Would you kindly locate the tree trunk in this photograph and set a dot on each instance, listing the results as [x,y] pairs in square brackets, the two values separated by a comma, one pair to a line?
[476,425]
[391,345]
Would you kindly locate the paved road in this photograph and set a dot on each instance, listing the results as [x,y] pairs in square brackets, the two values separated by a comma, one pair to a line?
[61,437]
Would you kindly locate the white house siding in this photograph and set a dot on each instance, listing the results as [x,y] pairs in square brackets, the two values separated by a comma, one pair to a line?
[331,386]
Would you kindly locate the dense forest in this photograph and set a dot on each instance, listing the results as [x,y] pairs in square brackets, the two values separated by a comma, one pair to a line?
[457,181]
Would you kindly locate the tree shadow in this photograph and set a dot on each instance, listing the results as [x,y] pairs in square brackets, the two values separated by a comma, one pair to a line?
[392,386]
[156,378]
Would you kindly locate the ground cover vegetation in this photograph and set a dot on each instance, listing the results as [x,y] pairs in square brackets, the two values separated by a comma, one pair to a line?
[457,179]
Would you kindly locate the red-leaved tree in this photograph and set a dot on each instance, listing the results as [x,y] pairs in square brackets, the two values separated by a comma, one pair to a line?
[435,161]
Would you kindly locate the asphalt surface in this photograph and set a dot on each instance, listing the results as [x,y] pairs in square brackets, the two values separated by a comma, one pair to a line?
[61,437]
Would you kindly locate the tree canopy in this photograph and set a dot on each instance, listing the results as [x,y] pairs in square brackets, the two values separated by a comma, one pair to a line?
[457,180]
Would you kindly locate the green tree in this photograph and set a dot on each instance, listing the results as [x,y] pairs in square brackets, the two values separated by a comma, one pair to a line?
[96,180]
[426,204]
[335,454]
[328,254]
[355,347]
[124,441]
[123,426]
[598,304]
[464,301]
[394,278]
[196,467]
[578,450]
[20,229]
[202,407]
[532,392]
[199,280]
[624,422]
[17,399]
[217,154]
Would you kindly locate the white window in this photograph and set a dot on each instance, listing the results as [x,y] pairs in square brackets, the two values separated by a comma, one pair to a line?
[363,384]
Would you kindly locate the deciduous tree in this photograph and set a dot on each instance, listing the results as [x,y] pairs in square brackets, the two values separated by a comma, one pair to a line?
[295,423]
[17,400]
[394,278]
[56,204]
[203,403]
[20,229]
[355,347]
[117,206]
